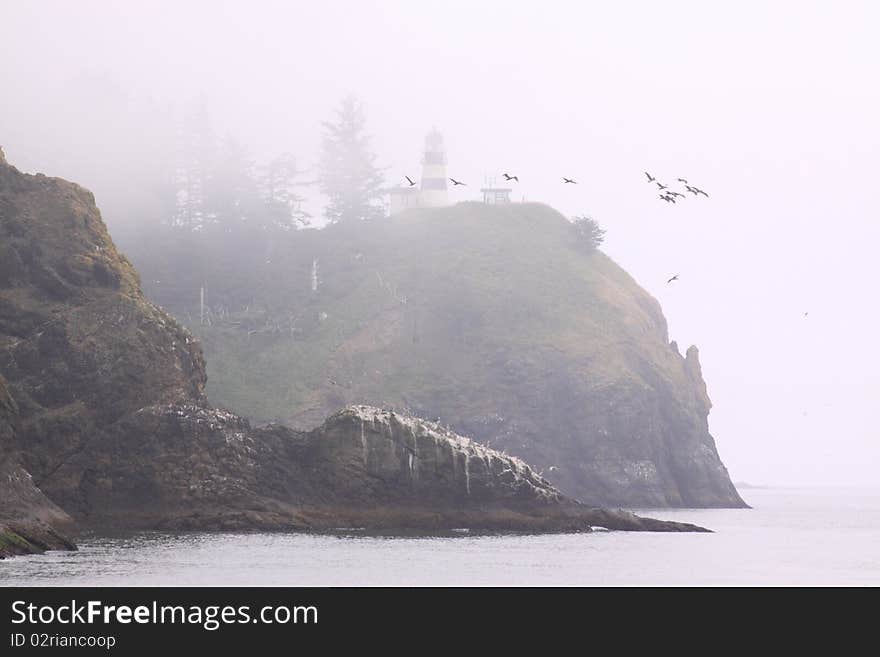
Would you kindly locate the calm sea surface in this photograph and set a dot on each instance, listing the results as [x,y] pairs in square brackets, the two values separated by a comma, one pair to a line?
[791,537]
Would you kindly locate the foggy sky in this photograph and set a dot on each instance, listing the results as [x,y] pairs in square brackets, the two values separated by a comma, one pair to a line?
[770,107]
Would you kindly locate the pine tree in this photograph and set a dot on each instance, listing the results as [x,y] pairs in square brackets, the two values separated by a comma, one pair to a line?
[197,151]
[278,184]
[349,176]
[232,198]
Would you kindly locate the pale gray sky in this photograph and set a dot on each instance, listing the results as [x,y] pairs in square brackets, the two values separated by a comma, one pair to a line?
[772,107]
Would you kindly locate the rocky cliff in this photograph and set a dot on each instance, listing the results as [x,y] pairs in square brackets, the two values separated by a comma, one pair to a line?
[29,522]
[494,318]
[79,345]
[112,422]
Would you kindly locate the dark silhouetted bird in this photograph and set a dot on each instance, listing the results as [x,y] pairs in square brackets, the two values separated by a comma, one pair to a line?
[569,180]
[667,198]
[411,183]
[700,191]
[682,180]
[661,185]
[675,194]
[692,190]
[509,177]
[455,183]
[674,278]
[650,177]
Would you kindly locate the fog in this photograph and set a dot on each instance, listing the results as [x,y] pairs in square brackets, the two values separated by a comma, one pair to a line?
[770,107]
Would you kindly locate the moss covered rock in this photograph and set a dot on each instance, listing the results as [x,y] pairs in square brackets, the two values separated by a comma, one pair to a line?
[29,522]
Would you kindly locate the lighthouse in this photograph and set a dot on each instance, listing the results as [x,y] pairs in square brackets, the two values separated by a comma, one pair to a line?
[432,193]
[433,188]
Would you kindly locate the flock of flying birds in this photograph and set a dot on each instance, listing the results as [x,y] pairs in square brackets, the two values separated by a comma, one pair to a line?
[670,196]
[507,177]
[667,194]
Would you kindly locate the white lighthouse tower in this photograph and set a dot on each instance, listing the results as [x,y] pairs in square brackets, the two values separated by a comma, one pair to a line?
[433,188]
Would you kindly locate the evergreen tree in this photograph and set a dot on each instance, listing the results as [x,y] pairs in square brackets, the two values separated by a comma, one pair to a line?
[232,197]
[278,184]
[348,175]
[195,162]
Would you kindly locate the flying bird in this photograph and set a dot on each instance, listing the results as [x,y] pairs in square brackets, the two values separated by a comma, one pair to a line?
[456,183]
[674,278]
[569,180]
[682,180]
[667,198]
[409,180]
[692,190]
[650,177]
[509,177]
[661,185]
[700,191]
[675,194]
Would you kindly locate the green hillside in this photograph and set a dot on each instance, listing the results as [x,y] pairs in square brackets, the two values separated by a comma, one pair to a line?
[496,319]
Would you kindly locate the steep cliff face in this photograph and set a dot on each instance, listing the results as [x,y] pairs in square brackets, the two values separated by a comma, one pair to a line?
[79,345]
[493,318]
[29,522]
[113,424]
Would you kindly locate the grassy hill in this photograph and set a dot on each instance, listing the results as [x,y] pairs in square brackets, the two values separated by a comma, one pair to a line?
[496,319]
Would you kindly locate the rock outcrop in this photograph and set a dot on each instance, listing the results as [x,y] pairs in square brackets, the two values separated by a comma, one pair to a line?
[29,522]
[184,467]
[79,345]
[113,424]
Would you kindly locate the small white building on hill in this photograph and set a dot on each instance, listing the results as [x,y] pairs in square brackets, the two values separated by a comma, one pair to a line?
[494,195]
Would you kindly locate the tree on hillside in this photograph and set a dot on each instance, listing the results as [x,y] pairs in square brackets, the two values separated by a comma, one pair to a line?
[232,196]
[197,149]
[589,235]
[348,173]
[278,182]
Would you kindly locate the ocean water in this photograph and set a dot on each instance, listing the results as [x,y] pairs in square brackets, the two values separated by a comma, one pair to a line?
[791,537]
